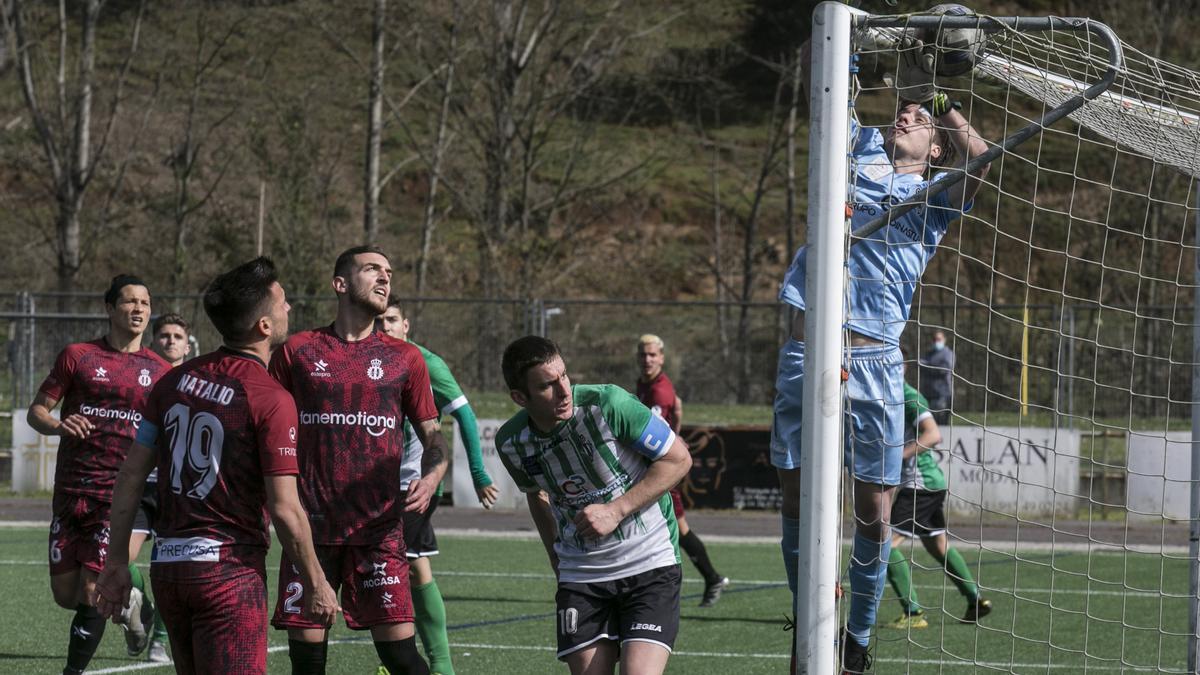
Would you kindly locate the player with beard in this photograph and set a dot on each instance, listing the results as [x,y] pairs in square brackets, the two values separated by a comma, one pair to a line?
[355,386]
[223,435]
[102,385]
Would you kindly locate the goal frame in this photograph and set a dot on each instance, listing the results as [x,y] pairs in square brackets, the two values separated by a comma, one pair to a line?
[828,222]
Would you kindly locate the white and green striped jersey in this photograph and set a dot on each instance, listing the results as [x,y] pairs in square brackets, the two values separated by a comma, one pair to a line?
[607,446]
[921,471]
[448,397]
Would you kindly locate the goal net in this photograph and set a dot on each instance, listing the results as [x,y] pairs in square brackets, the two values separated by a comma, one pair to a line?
[1066,294]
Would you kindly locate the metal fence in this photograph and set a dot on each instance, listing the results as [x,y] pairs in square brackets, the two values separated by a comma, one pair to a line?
[1083,361]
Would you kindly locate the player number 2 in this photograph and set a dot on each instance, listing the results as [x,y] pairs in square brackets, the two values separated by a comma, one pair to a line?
[195,439]
[295,592]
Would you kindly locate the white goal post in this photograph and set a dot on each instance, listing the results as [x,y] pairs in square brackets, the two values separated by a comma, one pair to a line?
[1071,288]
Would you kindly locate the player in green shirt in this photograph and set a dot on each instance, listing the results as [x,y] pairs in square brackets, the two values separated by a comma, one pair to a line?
[919,511]
[595,466]
[419,538]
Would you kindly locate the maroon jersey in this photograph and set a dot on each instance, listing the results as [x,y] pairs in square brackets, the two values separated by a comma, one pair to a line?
[109,388]
[219,424]
[659,396]
[353,398]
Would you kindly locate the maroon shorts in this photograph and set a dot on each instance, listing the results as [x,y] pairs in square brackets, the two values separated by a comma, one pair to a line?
[78,534]
[373,579]
[218,626]
[677,502]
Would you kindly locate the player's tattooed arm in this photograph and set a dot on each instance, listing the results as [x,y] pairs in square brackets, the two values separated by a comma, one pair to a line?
[39,417]
[434,460]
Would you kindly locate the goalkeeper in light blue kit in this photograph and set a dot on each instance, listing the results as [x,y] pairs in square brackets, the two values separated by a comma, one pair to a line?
[883,270]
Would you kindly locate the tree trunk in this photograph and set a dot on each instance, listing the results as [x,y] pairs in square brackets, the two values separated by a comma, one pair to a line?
[371,187]
[435,171]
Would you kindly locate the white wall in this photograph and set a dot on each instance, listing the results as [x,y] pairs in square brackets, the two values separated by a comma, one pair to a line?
[34,456]
[1010,470]
[464,490]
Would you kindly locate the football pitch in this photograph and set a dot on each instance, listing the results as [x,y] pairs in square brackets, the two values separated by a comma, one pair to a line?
[1100,611]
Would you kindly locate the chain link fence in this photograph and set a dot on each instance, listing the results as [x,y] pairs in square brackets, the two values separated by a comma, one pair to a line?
[1083,361]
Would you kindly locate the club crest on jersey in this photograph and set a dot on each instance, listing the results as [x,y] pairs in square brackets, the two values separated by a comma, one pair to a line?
[144,377]
[375,372]
[101,374]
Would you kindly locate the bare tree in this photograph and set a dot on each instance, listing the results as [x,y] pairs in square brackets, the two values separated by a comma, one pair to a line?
[530,173]
[190,148]
[61,110]
[372,186]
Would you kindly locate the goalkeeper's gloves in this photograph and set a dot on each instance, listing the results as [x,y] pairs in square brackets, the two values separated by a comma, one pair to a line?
[914,72]
[941,104]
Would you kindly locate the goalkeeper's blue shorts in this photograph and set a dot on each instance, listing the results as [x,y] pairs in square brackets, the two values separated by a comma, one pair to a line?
[873,420]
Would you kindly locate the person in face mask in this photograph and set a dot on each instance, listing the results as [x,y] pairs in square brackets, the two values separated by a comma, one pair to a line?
[937,378]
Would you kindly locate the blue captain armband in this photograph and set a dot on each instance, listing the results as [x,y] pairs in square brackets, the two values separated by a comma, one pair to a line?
[656,438]
[147,433]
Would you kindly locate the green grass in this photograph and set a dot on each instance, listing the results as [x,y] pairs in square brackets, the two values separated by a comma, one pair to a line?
[499,599]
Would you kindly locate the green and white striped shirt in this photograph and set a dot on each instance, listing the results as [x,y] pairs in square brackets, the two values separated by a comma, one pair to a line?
[607,446]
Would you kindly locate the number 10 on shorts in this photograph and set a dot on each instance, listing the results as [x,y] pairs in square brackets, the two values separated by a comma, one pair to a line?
[568,621]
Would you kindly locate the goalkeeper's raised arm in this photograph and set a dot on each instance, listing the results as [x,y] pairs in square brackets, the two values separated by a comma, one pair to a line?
[953,142]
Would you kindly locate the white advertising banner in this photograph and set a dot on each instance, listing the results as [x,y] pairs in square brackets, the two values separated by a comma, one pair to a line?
[34,456]
[464,490]
[1010,470]
[1158,482]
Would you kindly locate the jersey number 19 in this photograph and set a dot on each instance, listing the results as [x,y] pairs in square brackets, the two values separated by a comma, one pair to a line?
[196,439]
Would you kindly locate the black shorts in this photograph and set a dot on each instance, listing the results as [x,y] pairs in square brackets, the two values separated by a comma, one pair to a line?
[919,513]
[642,608]
[419,538]
[143,520]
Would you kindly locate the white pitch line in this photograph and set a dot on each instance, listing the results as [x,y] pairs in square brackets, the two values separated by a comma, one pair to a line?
[723,655]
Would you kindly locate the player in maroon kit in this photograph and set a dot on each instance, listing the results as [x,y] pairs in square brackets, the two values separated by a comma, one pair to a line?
[102,385]
[222,434]
[655,391]
[354,386]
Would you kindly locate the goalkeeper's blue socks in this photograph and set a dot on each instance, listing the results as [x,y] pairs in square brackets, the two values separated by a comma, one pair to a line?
[868,572]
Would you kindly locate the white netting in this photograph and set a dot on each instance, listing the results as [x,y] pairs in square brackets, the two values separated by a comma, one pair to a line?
[1153,107]
[1067,293]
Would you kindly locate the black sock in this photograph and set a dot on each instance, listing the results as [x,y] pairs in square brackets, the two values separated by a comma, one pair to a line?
[699,556]
[87,628]
[401,657]
[308,658]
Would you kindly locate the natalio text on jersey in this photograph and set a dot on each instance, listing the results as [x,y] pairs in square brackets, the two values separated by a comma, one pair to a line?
[209,391]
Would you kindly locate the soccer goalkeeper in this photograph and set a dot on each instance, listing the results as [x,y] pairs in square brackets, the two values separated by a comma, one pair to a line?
[883,269]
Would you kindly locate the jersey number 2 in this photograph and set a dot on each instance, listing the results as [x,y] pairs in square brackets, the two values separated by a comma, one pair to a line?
[197,440]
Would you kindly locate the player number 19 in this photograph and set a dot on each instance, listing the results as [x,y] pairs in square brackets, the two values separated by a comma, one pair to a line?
[195,439]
